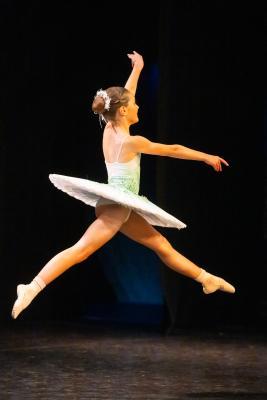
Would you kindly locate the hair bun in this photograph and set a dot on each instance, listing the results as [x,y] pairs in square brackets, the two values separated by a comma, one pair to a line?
[98,105]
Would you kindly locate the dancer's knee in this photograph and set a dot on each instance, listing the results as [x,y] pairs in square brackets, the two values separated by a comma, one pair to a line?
[102,230]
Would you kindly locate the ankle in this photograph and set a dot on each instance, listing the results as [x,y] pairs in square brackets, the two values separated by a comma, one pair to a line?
[39,281]
[202,276]
[37,285]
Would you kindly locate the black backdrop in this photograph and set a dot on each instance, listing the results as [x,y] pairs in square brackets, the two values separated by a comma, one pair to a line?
[208,97]
[211,55]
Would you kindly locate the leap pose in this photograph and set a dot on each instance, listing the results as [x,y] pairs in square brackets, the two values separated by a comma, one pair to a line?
[118,205]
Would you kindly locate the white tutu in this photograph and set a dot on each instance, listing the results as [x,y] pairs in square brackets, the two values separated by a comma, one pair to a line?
[91,192]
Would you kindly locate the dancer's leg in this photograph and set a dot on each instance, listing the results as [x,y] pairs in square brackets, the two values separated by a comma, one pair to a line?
[138,229]
[108,222]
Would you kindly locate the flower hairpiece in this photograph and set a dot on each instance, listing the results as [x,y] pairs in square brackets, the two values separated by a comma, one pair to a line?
[105,97]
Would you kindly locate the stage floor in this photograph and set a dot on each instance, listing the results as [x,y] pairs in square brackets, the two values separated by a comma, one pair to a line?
[49,361]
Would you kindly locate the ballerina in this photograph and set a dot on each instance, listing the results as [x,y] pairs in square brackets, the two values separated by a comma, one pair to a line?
[118,206]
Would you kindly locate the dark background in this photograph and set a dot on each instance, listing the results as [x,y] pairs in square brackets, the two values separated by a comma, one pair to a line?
[201,87]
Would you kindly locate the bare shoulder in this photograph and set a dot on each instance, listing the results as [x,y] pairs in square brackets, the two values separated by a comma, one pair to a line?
[136,142]
[137,138]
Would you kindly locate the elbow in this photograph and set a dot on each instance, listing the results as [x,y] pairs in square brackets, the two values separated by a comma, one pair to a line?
[175,150]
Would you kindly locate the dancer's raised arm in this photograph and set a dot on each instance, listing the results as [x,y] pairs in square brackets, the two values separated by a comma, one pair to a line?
[137,64]
[140,144]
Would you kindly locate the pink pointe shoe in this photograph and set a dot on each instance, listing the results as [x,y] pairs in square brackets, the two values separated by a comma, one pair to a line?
[221,284]
[22,302]
[212,283]
[26,293]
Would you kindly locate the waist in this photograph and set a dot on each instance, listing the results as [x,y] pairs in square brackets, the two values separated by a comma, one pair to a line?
[121,170]
[127,182]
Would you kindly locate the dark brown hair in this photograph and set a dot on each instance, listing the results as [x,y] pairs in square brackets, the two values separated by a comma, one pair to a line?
[119,96]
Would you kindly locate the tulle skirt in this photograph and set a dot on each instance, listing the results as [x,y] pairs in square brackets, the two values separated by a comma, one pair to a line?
[95,193]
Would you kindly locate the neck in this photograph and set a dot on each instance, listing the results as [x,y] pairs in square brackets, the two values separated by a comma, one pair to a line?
[121,127]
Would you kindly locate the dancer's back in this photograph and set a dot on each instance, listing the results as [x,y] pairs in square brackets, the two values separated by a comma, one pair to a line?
[114,146]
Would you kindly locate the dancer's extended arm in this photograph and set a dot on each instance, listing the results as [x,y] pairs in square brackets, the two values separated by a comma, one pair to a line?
[139,144]
[137,64]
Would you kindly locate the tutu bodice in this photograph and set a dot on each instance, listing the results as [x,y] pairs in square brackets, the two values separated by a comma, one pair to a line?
[125,175]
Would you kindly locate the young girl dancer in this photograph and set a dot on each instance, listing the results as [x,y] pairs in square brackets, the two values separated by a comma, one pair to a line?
[118,205]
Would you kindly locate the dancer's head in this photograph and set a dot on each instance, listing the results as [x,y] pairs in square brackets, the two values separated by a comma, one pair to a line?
[114,104]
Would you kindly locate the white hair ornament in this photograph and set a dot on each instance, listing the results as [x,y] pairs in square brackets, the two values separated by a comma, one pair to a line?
[105,97]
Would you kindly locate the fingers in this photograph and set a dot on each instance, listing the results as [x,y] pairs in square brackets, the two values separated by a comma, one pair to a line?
[131,56]
[224,162]
[134,54]
[218,164]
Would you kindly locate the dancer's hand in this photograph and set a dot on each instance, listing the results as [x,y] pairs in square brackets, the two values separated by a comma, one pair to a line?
[137,64]
[215,162]
[137,60]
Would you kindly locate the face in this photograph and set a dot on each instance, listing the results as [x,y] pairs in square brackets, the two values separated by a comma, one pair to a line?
[132,111]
